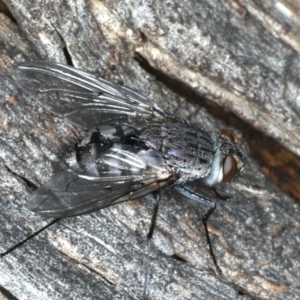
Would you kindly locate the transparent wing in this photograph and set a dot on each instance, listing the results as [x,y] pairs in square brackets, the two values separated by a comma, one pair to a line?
[84,99]
[118,175]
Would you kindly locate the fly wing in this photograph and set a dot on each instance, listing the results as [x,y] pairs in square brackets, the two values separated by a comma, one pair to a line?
[85,99]
[116,176]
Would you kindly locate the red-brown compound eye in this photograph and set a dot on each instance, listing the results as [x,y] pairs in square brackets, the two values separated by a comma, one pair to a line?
[229,168]
[228,134]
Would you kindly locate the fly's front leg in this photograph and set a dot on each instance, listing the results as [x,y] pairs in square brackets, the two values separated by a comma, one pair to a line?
[220,196]
[185,191]
[149,237]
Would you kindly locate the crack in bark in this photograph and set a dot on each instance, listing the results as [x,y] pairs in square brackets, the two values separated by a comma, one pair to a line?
[29,183]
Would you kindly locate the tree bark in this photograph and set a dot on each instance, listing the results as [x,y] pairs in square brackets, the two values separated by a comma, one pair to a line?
[228,64]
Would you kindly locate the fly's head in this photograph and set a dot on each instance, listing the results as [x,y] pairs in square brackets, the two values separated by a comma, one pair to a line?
[228,160]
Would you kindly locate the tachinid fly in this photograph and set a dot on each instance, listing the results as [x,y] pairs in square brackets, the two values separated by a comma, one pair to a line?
[136,148]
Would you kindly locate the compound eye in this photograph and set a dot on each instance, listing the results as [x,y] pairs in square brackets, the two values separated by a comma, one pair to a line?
[229,168]
[228,134]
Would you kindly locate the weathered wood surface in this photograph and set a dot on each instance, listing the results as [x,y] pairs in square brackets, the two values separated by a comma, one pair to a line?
[233,64]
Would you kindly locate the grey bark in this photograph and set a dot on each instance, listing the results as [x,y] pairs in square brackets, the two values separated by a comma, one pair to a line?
[225,64]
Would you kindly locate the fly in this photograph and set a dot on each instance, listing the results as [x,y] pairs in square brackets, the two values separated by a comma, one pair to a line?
[136,148]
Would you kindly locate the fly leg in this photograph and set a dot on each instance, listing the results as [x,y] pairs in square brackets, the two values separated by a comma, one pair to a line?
[185,191]
[28,238]
[149,238]
[220,196]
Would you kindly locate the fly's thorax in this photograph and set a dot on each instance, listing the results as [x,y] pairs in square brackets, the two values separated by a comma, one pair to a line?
[185,149]
[228,160]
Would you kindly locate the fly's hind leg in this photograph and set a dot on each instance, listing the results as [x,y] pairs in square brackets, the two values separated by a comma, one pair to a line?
[185,191]
[28,238]
[149,238]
